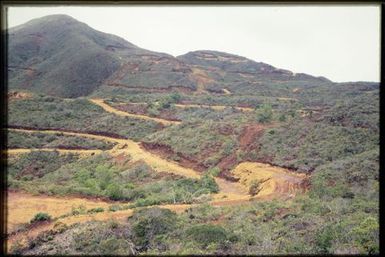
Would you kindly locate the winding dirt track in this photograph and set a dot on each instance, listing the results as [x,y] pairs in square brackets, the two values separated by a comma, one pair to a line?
[111,109]
[81,152]
[128,147]
[231,193]
[23,206]
[214,107]
[23,237]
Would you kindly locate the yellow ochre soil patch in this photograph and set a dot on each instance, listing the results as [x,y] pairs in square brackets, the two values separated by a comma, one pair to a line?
[201,77]
[278,181]
[22,207]
[81,152]
[111,109]
[287,99]
[23,237]
[226,91]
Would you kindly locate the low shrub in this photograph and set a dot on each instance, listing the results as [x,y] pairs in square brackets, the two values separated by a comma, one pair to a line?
[41,216]
[95,210]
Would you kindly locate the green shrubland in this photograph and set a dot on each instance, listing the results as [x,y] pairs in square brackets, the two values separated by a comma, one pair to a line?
[329,132]
[17,139]
[99,176]
[79,114]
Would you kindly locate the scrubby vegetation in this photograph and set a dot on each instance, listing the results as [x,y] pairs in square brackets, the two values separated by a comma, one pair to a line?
[305,145]
[35,165]
[199,141]
[98,176]
[307,124]
[79,115]
[18,139]
[338,145]
[339,226]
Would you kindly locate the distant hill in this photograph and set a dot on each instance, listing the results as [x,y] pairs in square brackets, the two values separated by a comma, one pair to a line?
[60,56]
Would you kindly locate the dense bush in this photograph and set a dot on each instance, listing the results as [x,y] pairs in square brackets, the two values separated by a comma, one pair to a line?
[102,239]
[265,113]
[361,111]
[349,177]
[207,234]
[149,224]
[305,145]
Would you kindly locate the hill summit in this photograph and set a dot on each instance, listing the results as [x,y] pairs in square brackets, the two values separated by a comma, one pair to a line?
[61,56]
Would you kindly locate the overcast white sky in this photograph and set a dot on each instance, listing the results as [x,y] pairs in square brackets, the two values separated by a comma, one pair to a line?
[341,43]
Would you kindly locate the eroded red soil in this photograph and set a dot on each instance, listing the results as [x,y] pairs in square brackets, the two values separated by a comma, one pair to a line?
[166,152]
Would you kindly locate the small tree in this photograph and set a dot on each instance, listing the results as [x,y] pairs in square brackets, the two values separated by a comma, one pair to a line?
[206,234]
[265,113]
[149,224]
[114,192]
[214,171]
[207,181]
[292,113]
[165,104]
[256,186]
[282,117]
[175,97]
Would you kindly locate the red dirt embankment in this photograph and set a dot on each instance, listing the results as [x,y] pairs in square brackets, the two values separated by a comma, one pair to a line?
[136,108]
[166,152]
[248,140]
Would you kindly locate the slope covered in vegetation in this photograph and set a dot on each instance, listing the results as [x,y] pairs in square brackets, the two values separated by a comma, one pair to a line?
[204,153]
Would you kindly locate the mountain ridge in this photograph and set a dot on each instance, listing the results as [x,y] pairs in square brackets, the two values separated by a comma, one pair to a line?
[61,56]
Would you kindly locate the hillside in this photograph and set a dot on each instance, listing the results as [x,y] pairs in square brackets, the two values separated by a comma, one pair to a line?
[114,149]
[61,56]
[246,68]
